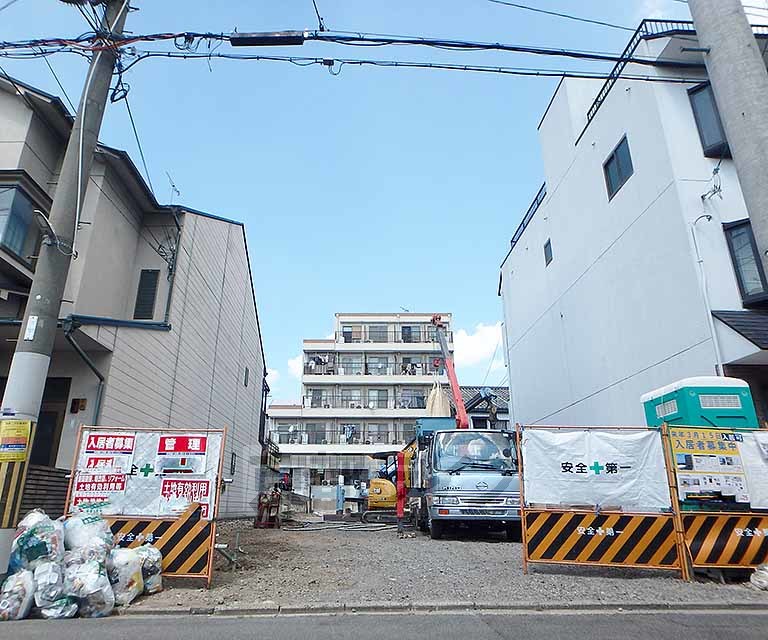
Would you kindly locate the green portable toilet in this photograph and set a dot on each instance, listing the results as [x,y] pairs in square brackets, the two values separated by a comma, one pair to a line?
[706,401]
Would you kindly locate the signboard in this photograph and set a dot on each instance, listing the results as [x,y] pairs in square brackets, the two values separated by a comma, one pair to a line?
[708,462]
[156,486]
[14,440]
[726,539]
[147,472]
[606,468]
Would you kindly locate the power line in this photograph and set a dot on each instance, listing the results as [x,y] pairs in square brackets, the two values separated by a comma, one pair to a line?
[320,23]
[335,65]
[138,144]
[493,357]
[58,82]
[8,4]
[562,15]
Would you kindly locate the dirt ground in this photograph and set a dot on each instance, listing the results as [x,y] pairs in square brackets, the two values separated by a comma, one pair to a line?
[289,568]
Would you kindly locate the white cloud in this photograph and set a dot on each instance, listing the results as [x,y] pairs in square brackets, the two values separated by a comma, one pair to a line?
[471,349]
[273,375]
[296,366]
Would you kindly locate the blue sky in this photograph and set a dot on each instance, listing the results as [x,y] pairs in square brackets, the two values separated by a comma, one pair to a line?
[368,191]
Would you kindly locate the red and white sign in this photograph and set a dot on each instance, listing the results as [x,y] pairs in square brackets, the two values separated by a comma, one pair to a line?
[108,464]
[78,500]
[100,483]
[110,443]
[187,445]
[180,493]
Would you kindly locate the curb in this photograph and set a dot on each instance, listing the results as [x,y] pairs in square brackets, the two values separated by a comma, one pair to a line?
[446,607]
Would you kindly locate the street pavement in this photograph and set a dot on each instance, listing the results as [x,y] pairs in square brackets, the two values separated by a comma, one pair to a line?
[602,625]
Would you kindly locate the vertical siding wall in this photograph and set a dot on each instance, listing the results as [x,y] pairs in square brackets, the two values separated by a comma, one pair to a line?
[193,375]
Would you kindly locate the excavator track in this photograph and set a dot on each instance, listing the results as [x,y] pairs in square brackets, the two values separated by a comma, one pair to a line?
[380,516]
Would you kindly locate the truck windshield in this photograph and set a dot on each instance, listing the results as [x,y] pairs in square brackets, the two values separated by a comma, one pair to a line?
[455,450]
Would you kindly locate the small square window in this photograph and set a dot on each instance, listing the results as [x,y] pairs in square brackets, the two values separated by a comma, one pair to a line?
[618,168]
[548,252]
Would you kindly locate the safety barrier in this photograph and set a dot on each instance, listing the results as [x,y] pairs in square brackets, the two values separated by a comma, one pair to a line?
[673,538]
[186,542]
[726,540]
[607,539]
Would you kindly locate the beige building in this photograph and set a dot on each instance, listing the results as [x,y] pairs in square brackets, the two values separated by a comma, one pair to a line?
[158,325]
[362,392]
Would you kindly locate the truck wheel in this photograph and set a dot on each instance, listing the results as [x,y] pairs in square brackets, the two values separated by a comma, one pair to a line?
[514,532]
[436,529]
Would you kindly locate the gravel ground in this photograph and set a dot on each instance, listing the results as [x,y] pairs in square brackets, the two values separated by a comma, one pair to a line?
[290,568]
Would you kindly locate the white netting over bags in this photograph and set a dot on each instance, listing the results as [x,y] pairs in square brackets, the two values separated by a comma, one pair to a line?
[151,568]
[124,570]
[38,539]
[49,592]
[17,596]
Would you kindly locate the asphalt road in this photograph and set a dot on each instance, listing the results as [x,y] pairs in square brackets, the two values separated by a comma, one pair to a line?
[607,625]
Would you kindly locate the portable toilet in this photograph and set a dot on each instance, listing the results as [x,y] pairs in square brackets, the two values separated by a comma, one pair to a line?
[707,401]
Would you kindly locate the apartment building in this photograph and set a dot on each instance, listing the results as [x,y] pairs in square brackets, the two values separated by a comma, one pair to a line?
[362,391]
[635,265]
[158,325]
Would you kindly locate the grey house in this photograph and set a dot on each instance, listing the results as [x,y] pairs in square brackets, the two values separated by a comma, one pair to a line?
[158,326]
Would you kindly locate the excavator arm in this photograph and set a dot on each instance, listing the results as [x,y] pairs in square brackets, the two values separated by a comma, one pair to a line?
[462,421]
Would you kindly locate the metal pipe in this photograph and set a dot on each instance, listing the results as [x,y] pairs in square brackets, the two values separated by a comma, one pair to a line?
[69,328]
[705,293]
[172,274]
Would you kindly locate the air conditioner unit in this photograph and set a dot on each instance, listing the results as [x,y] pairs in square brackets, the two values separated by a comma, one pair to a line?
[323,442]
[371,405]
[368,442]
[292,441]
[326,406]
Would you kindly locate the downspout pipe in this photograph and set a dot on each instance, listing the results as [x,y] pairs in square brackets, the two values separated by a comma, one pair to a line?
[69,328]
[705,293]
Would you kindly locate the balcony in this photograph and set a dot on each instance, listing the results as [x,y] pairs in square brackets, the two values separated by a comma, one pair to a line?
[403,335]
[347,435]
[321,367]
[371,402]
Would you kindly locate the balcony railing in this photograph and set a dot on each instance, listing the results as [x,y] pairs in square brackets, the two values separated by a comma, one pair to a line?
[351,434]
[361,401]
[370,369]
[398,336]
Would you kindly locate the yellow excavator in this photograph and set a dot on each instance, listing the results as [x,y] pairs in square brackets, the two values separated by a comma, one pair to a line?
[382,492]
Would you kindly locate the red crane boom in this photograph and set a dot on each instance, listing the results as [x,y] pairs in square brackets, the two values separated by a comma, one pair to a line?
[462,421]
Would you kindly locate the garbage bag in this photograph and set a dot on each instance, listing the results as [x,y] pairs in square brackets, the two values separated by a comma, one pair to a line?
[88,582]
[49,592]
[17,595]
[38,539]
[151,568]
[124,570]
[760,577]
[84,529]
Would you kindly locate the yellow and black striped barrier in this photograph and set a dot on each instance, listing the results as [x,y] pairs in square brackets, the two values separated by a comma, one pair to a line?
[606,539]
[186,542]
[726,540]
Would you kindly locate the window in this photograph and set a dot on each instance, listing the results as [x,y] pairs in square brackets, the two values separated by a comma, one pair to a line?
[618,168]
[547,252]
[746,261]
[18,231]
[377,333]
[378,398]
[145,296]
[708,122]
[245,376]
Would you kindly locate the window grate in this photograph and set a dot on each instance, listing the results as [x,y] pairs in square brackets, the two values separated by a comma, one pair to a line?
[666,408]
[146,294]
[731,401]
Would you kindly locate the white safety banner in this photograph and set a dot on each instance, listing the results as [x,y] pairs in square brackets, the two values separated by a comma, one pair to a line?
[754,456]
[605,468]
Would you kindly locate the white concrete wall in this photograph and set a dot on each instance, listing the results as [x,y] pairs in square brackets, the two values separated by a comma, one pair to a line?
[619,311]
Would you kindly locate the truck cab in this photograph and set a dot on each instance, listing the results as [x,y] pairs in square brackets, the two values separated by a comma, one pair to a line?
[464,476]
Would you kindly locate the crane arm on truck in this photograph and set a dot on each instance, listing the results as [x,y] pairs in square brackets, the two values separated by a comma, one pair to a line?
[462,421]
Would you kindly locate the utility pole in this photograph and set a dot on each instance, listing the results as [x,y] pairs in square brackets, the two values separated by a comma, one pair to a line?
[29,367]
[739,82]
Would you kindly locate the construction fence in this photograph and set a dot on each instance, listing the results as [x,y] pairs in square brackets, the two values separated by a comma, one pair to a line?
[676,498]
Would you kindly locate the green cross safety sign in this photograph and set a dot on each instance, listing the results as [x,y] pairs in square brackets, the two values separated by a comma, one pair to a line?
[597,468]
[146,470]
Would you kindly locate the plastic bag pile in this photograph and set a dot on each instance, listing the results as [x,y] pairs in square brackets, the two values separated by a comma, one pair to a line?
[68,567]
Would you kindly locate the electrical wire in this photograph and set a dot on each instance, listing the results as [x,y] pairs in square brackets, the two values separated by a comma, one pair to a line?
[493,357]
[58,82]
[331,62]
[561,15]
[138,144]
[8,4]
[320,23]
